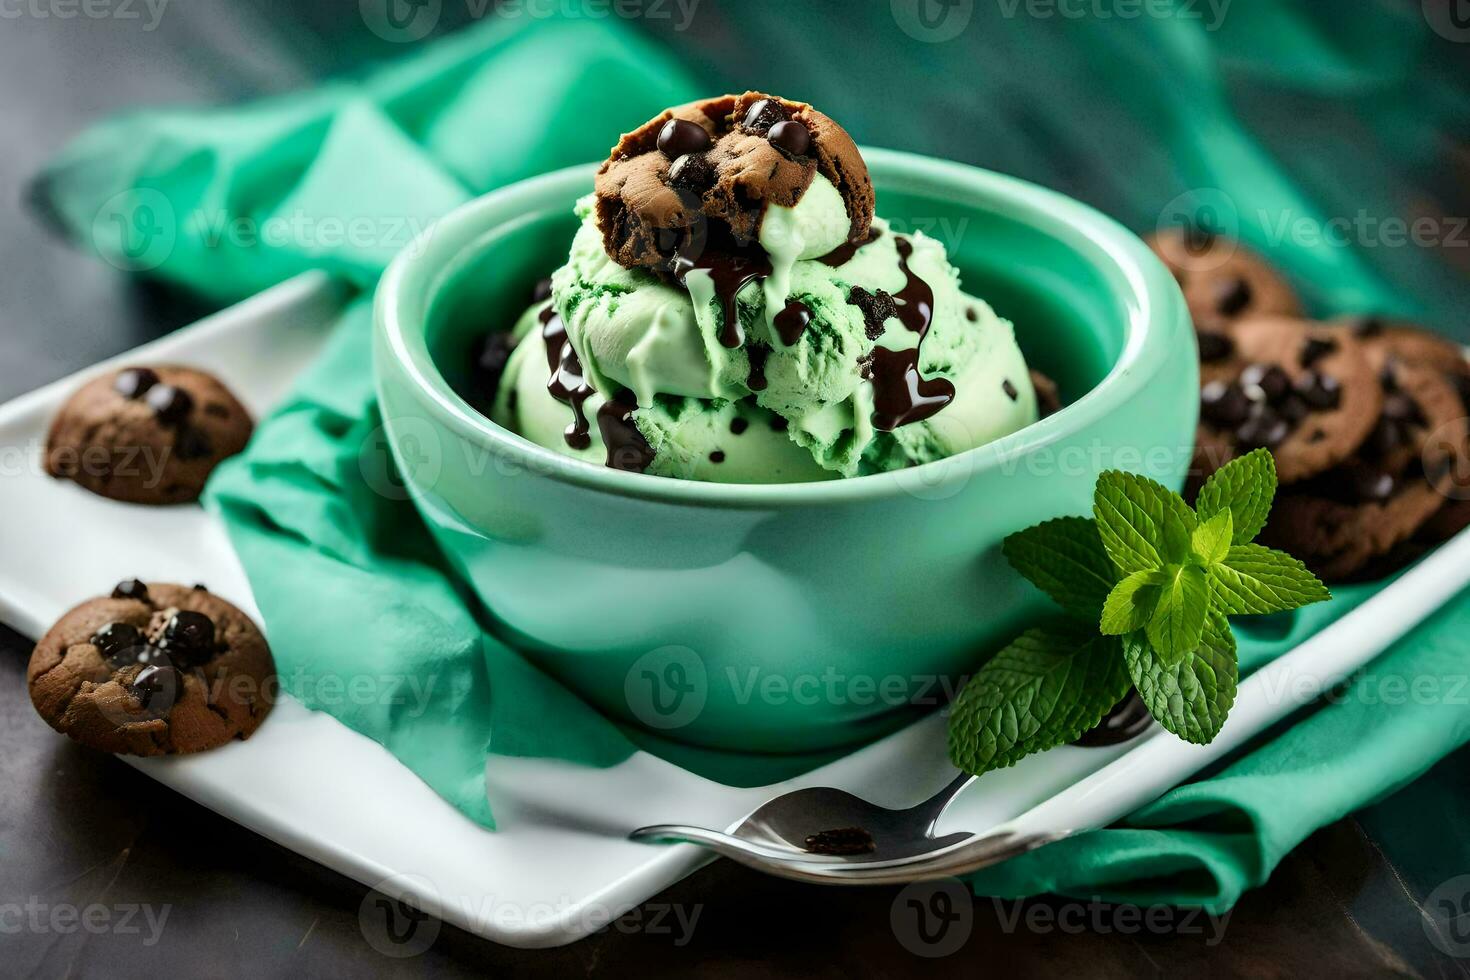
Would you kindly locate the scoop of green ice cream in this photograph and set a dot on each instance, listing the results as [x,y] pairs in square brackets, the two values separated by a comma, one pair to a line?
[716,440]
[633,330]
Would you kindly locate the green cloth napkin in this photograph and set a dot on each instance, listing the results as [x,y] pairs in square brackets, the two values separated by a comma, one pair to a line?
[346,576]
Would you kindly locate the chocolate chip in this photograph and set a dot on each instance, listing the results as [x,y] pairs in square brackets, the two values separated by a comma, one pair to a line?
[495,351]
[716,457]
[1214,346]
[1368,326]
[157,687]
[189,636]
[1293,409]
[1009,389]
[970,314]
[1368,484]
[790,137]
[171,405]
[1224,405]
[877,307]
[200,587]
[135,382]
[1462,387]
[680,136]
[1387,436]
[194,444]
[1315,349]
[1272,382]
[1198,238]
[779,423]
[1321,391]
[738,425]
[1264,429]
[131,589]
[1401,408]
[1233,296]
[764,114]
[692,172]
[115,638]
[541,292]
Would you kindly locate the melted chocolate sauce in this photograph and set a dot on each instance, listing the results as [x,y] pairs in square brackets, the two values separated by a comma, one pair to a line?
[568,383]
[1127,720]
[916,299]
[792,321]
[900,394]
[842,254]
[731,272]
[626,447]
[756,380]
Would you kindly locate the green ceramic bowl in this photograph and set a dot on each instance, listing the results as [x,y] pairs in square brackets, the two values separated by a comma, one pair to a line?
[785,617]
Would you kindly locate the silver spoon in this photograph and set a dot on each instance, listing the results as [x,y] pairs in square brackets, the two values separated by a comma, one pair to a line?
[830,836]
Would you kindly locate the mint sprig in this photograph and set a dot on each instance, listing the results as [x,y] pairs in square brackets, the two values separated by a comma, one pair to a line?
[1147,584]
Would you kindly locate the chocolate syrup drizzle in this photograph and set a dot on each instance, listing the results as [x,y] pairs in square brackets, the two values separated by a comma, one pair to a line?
[568,382]
[792,321]
[900,394]
[626,447]
[731,272]
[842,254]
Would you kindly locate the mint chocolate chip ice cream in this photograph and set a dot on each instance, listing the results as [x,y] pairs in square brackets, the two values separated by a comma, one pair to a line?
[731,310]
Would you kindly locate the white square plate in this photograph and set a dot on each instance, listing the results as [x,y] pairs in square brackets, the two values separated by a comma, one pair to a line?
[559,867]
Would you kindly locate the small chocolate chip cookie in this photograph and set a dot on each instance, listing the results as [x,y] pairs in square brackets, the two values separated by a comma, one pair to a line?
[1373,505]
[153,669]
[1398,340]
[719,162]
[147,435]
[1223,282]
[1305,391]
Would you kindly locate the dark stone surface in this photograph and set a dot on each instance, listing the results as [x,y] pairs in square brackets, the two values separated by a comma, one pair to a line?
[78,829]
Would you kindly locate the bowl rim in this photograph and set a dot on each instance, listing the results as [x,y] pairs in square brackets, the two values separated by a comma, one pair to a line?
[1155,318]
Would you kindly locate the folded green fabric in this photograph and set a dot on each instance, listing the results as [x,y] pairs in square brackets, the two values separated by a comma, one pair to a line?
[346,576]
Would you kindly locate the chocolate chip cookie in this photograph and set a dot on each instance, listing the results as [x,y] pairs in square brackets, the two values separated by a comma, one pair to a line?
[147,435]
[153,669]
[712,167]
[1305,391]
[1223,282]
[1371,505]
[1398,340]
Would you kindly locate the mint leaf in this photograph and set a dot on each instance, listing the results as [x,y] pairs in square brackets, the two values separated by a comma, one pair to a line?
[1045,689]
[1211,539]
[1131,603]
[1065,559]
[1179,616]
[1143,524]
[1245,487]
[1191,696]
[1256,579]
